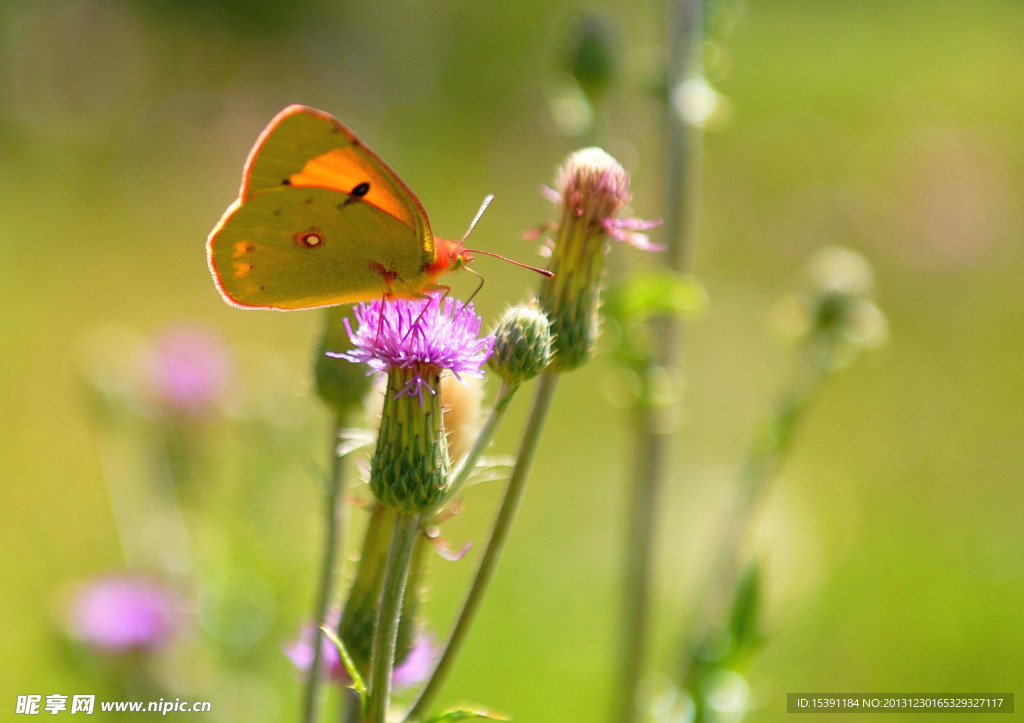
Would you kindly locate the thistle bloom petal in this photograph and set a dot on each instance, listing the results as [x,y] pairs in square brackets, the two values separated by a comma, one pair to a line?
[417,333]
[624,230]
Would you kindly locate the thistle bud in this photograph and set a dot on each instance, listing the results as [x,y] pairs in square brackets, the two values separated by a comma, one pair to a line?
[591,55]
[592,188]
[410,464]
[339,384]
[522,344]
[462,400]
[837,311]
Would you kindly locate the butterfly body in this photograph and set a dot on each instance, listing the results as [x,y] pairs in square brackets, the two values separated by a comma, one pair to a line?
[320,220]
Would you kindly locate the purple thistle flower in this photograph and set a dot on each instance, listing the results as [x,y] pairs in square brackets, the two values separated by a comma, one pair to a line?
[412,669]
[417,335]
[188,371]
[300,651]
[122,612]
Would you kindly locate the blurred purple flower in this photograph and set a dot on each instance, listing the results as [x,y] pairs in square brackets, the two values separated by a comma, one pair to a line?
[417,664]
[407,334]
[414,668]
[122,612]
[188,371]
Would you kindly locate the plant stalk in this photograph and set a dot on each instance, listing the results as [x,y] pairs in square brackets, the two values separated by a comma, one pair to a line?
[480,444]
[759,468]
[334,533]
[499,534]
[385,633]
[683,168]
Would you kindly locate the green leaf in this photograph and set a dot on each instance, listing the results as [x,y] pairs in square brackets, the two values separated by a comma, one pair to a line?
[466,713]
[655,293]
[358,685]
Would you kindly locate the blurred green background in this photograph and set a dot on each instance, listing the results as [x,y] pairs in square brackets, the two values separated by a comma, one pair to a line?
[893,541]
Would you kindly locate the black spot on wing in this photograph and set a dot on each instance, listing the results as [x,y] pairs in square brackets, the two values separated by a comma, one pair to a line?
[355,194]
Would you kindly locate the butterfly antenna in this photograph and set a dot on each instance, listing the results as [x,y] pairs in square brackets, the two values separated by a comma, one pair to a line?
[483,207]
[539,270]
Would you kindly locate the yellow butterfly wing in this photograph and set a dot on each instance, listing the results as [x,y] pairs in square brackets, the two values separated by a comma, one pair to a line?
[320,220]
[300,248]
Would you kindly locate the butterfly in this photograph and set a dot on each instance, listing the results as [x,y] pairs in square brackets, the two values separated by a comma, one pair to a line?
[321,220]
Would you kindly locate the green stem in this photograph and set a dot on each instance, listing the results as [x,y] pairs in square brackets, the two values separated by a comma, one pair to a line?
[468,463]
[683,166]
[759,468]
[334,533]
[385,633]
[499,534]
[350,712]
[650,449]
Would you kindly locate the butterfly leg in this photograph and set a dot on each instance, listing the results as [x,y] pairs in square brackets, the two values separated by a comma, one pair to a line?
[430,298]
[384,299]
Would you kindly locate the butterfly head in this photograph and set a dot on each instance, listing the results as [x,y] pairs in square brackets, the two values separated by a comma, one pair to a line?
[460,259]
[451,256]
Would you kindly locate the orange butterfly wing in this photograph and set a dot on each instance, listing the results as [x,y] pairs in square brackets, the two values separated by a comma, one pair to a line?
[303,146]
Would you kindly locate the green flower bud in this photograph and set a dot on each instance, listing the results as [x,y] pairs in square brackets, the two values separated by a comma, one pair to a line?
[340,384]
[462,399]
[522,344]
[836,313]
[410,466]
[843,312]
